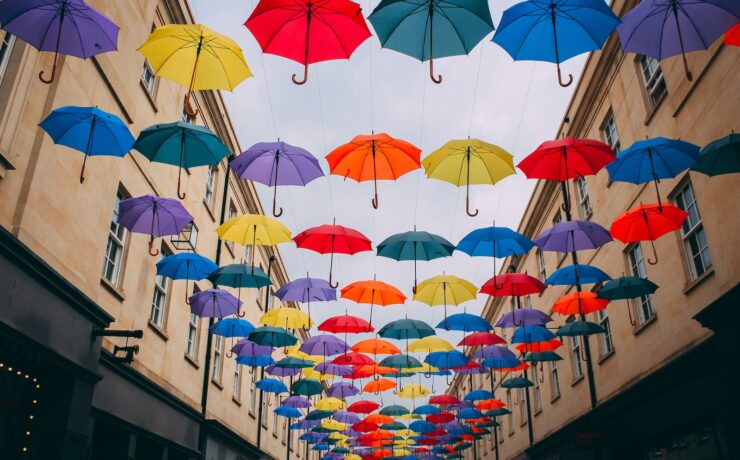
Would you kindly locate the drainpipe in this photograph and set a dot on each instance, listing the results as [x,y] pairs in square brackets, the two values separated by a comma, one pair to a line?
[262,369]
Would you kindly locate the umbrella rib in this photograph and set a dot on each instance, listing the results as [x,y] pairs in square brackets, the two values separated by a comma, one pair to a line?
[298,14]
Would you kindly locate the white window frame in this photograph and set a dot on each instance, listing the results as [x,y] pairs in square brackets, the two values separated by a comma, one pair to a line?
[652,77]
[611,133]
[117,239]
[522,395]
[232,212]
[193,339]
[236,388]
[210,192]
[575,356]
[541,266]
[536,390]
[6,49]
[554,381]
[160,296]
[149,78]
[252,403]
[636,265]
[218,359]
[510,416]
[693,230]
[605,339]
[584,200]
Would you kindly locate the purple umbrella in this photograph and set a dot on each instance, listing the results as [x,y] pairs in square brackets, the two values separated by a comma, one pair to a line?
[324,345]
[277,163]
[493,351]
[70,27]
[524,317]
[153,216]
[574,235]
[215,303]
[282,371]
[342,390]
[297,402]
[665,28]
[307,424]
[346,417]
[333,369]
[305,290]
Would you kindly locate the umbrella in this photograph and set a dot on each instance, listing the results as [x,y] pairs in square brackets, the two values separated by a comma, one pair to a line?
[430,344]
[412,392]
[281,371]
[272,336]
[465,322]
[517,382]
[291,362]
[324,345]
[308,32]
[378,386]
[496,242]
[721,156]
[577,303]
[578,328]
[373,292]
[572,236]
[400,362]
[446,359]
[319,414]
[488,164]
[524,317]
[478,395]
[444,290]
[277,163]
[306,387]
[196,57]
[271,386]
[214,303]
[394,411]
[416,245]
[246,347]
[239,276]
[286,317]
[648,222]
[550,31]
[88,130]
[374,157]
[537,347]
[352,359]
[253,230]
[443,400]
[186,266]
[513,284]
[572,275]
[333,239]
[297,402]
[255,361]
[331,404]
[289,412]
[69,27]
[333,369]
[427,410]
[427,29]
[342,390]
[732,37]
[363,407]
[232,327]
[153,216]
[375,347]
[661,29]
[652,160]
[406,329]
[306,290]
[482,339]
[627,287]
[531,334]
[346,417]
[347,324]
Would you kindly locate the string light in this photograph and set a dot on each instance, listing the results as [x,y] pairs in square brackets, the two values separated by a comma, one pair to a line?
[31,417]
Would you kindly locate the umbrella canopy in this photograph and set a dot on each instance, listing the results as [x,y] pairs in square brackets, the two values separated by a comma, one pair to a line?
[427,29]
[567,158]
[481,339]
[413,391]
[572,275]
[374,157]
[214,303]
[465,322]
[524,317]
[363,407]
[627,287]
[512,284]
[289,412]
[404,329]
[446,359]
[545,30]
[443,400]
[254,230]
[271,386]
[181,144]
[732,37]
[72,28]
[232,327]
[153,216]
[246,347]
[286,317]
[577,303]
[255,361]
[400,362]
[331,404]
[429,345]
[495,242]
[333,239]
[345,417]
[342,390]
[378,386]
[308,32]
[376,347]
[272,336]
[196,57]
[88,130]
[574,235]
[306,387]
[648,222]
[723,155]
[307,290]
[373,292]
[482,163]
[291,362]
[347,324]
[353,359]
[575,329]
[415,245]
[324,345]
[239,276]
[394,411]
[333,369]
[277,163]
[186,266]
[662,29]
[445,290]
[532,334]
[478,395]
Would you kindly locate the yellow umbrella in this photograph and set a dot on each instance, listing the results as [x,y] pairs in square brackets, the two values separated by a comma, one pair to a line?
[413,391]
[406,433]
[469,161]
[445,290]
[401,452]
[195,57]
[286,317]
[332,404]
[424,369]
[309,373]
[331,424]
[338,436]
[254,230]
[352,457]
[295,352]
[410,416]
[429,344]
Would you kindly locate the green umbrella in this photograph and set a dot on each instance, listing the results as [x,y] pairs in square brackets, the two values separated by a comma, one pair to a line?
[393,411]
[239,276]
[272,336]
[319,414]
[627,287]
[340,450]
[517,382]
[306,387]
[291,362]
[720,157]
[182,145]
[400,362]
[497,412]
[406,329]
[393,426]
[541,357]
[579,328]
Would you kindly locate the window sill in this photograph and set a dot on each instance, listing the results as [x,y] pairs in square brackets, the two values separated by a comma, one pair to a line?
[149,96]
[113,289]
[274,435]
[641,327]
[655,108]
[604,356]
[576,380]
[162,334]
[251,414]
[236,401]
[210,211]
[191,360]
[554,398]
[217,384]
[691,285]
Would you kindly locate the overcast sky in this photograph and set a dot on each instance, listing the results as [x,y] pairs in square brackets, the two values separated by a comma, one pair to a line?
[516,105]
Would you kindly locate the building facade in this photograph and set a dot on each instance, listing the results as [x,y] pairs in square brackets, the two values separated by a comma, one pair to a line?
[666,386]
[69,273]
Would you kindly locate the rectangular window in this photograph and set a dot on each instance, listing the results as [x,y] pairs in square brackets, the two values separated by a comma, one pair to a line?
[210,185]
[218,353]
[230,215]
[236,389]
[522,395]
[509,417]
[158,313]
[692,232]
[537,390]
[6,47]
[575,356]
[541,267]
[117,235]
[602,318]
[644,305]
[264,417]
[149,78]
[193,336]
[274,423]
[583,198]
[653,79]
[554,381]
[252,403]
[611,135]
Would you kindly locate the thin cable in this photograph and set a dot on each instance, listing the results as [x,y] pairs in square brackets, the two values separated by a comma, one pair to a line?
[475,90]
[421,142]
[267,88]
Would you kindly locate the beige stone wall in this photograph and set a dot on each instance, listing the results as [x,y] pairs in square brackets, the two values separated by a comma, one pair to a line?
[698,112]
[67,223]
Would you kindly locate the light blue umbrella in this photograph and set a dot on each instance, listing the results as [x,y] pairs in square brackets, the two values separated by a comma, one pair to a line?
[186,266]
[572,275]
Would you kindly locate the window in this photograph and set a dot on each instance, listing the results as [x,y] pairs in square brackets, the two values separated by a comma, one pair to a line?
[602,318]
[218,352]
[695,241]
[210,185]
[611,136]
[541,268]
[653,79]
[274,423]
[193,335]
[554,381]
[230,215]
[537,389]
[252,396]
[247,254]
[161,292]
[644,304]
[264,416]
[575,355]
[6,47]
[509,417]
[583,198]
[236,389]
[149,78]
[522,405]
[117,236]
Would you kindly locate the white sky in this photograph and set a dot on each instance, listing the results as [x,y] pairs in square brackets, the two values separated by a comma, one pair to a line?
[516,105]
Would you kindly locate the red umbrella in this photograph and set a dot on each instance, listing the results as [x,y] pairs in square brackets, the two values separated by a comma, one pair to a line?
[648,222]
[577,303]
[444,400]
[471,365]
[428,442]
[346,324]
[480,339]
[308,31]
[442,417]
[732,36]
[333,239]
[538,347]
[353,359]
[512,284]
[363,406]
[365,427]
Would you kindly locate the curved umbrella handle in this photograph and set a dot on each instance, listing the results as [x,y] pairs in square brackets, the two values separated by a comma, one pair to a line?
[374,201]
[82,171]
[241,314]
[467,208]
[438,79]
[331,265]
[562,83]
[230,354]
[53,70]
[186,107]
[251,371]
[305,76]
[180,195]
[629,312]
[152,251]
[655,254]
[275,212]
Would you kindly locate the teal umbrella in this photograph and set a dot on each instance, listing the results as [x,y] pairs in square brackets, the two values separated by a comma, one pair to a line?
[720,157]
[406,329]
[182,145]
[393,426]
[579,328]
[394,411]
[541,357]
[306,387]
[517,382]
[400,362]
[239,276]
[428,29]
[291,362]
[272,336]
[319,414]
[627,287]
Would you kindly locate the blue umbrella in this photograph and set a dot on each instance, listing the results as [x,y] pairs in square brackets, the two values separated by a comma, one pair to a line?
[478,395]
[465,322]
[466,414]
[572,275]
[446,359]
[290,412]
[90,131]
[186,266]
[255,361]
[271,386]
[496,242]
[555,30]
[427,409]
[232,327]
[532,334]
[653,160]
[422,426]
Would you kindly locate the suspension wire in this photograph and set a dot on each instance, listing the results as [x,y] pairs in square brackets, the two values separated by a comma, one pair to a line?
[267,87]
[475,89]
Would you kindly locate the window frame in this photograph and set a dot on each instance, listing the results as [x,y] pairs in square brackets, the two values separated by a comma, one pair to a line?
[606,340]
[510,416]
[554,381]
[194,340]
[209,195]
[236,387]
[7,43]
[150,84]
[522,395]
[217,367]
[541,266]
[163,286]
[636,267]
[584,200]
[537,390]
[611,136]
[691,231]
[574,350]
[121,241]
[653,81]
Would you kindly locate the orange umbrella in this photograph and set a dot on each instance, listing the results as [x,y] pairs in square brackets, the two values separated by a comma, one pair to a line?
[373,369]
[378,419]
[374,157]
[521,367]
[489,404]
[538,347]
[373,292]
[648,222]
[382,453]
[577,303]
[375,347]
[377,386]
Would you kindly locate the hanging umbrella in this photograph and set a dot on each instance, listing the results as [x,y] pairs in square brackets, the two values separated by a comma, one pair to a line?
[572,236]
[333,369]
[404,329]
[333,239]
[721,156]
[512,285]
[400,362]
[346,324]
[446,359]
[524,317]
[186,266]
[531,334]
[427,410]
[277,163]
[255,361]
[239,276]
[352,359]
[538,347]
[153,216]
[577,303]
[427,29]
[376,347]
[286,317]
[554,31]
[465,322]
[289,412]
[307,31]
[373,292]
[579,328]
[495,242]
[430,344]
[374,157]
[378,386]
[272,336]
[296,401]
[445,290]
[661,29]
[291,362]
[482,162]
[246,347]
[271,386]
[481,339]
[88,130]
[345,417]
[319,414]
[648,222]
[214,303]
[232,327]
[394,411]
[342,390]
[627,287]
[732,37]
[443,400]
[329,403]
[572,275]
[281,371]
[324,345]
[306,387]
[363,407]
[306,290]
[416,245]
[652,160]
[413,391]
[196,57]
[478,395]
[69,27]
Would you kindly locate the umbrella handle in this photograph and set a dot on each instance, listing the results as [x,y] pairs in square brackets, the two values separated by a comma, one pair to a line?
[655,253]
[241,314]
[467,207]
[186,107]
[251,371]
[438,79]
[230,354]
[180,195]
[275,212]
[562,83]
[152,251]
[629,312]
[82,171]
[305,76]
[374,201]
